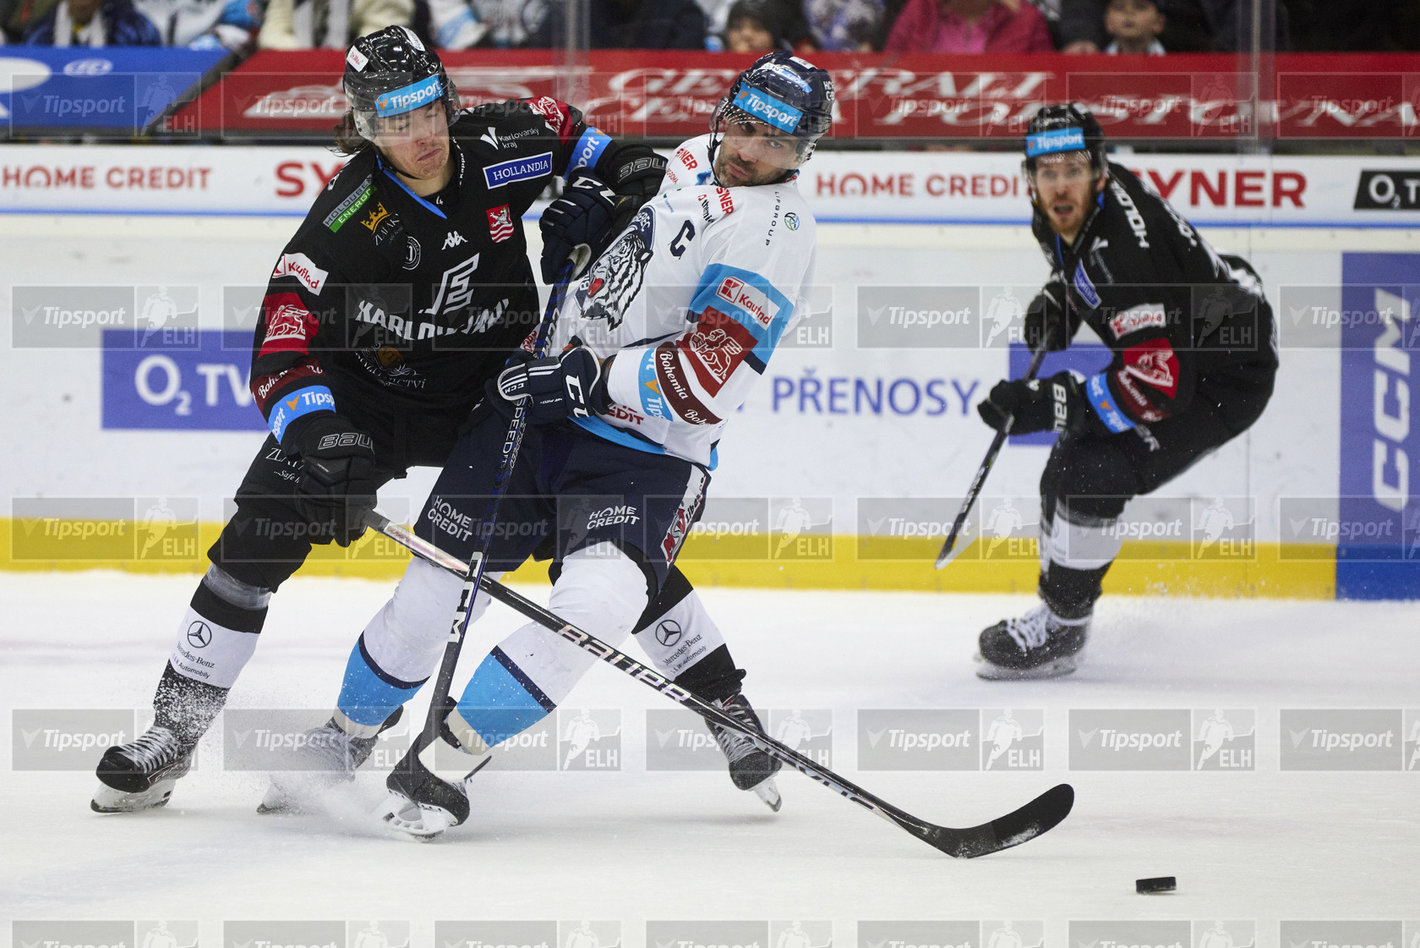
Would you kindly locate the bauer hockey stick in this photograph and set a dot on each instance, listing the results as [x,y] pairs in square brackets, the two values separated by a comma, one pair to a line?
[472,571]
[949,544]
[1022,825]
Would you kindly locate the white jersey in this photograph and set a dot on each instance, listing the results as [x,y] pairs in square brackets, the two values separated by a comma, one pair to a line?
[692,300]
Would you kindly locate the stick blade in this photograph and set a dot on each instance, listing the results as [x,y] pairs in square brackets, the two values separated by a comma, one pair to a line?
[1036,817]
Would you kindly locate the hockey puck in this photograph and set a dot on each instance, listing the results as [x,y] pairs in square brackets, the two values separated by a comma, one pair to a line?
[1156,884]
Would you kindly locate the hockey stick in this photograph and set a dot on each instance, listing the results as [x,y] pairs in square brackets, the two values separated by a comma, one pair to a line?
[948,545]
[472,571]
[1024,824]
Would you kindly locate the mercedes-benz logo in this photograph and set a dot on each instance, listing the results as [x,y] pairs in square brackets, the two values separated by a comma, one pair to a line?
[668,632]
[199,634]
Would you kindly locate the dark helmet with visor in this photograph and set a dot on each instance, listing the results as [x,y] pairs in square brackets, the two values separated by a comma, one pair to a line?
[784,92]
[390,72]
[1058,129]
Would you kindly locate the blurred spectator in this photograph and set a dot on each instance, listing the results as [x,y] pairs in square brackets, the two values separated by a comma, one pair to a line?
[629,24]
[94,23]
[1193,26]
[306,24]
[757,26]
[18,17]
[1374,26]
[848,25]
[204,24]
[969,26]
[499,24]
[1134,27]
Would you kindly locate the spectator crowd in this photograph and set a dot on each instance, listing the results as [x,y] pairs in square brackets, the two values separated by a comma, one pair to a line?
[1137,27]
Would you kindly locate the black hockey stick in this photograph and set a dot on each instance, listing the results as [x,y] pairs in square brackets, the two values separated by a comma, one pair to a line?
[472,571]
[1037,816]
[948,545]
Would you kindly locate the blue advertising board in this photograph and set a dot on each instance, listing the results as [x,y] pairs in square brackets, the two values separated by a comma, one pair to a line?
[195,381]
[1379,556]
[118,90]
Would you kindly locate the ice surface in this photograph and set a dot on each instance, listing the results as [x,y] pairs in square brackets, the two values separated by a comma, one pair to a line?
[636,846]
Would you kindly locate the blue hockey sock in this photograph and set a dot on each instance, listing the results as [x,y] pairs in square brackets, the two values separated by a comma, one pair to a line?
[368,695]
[499,702]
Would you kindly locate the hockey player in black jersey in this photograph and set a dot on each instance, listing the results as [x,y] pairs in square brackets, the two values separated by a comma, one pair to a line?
[400,295]
[1194,357]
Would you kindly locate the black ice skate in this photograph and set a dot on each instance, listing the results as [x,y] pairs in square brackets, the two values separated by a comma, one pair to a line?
[140,775]
[328,757]
[421,802]
[1039,644]
[751,768]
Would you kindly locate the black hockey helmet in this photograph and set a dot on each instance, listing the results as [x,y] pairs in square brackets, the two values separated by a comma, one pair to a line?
[784,92]
[390,72]
[1056,129]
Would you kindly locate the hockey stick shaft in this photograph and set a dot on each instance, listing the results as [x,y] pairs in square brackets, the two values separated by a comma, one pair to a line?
[472,571]
[1024,824]
[945,556]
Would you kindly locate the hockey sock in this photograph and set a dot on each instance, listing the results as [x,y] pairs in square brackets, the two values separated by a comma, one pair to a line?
[499,702]
[369,694]
[1077,550]
[216,640]
[684,643]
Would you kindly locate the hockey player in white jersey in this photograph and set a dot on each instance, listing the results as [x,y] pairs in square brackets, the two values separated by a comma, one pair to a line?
[662,338]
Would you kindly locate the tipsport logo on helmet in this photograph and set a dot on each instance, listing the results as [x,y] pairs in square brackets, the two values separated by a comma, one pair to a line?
[773,112]
[410,97]
[1063,139]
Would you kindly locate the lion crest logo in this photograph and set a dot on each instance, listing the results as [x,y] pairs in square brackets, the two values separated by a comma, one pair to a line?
[613,281]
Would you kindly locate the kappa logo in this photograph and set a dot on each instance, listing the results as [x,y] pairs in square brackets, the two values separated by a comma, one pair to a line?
[453,239]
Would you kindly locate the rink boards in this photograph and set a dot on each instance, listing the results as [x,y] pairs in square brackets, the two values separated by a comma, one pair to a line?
[847,465]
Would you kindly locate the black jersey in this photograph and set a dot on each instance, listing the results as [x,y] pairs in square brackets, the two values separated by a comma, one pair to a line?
[414,301]
[1172,310]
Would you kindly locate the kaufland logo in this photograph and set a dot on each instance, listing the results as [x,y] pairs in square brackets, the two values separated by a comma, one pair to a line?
[409,98]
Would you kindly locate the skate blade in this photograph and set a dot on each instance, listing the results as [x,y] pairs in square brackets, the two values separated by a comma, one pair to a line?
[1056,668]
[769,793]
[108,800]
[419,820]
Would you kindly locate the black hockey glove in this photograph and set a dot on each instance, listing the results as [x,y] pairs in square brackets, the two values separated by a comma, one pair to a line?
[1023,407]
[1048,319]
[338,482]
[580,224]
[632,170]
[570,385]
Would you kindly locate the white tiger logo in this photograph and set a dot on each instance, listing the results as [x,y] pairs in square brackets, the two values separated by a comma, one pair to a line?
[615,278]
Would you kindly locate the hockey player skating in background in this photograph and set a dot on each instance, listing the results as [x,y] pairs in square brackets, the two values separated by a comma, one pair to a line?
[661,338]
[1185,378]
[399,296]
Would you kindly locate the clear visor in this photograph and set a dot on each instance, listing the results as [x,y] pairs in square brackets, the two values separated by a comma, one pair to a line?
[751,140]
